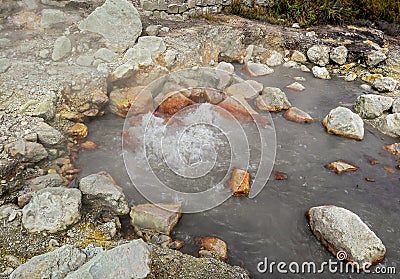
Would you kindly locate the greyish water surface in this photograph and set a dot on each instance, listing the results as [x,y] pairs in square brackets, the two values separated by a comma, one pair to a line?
[273,224]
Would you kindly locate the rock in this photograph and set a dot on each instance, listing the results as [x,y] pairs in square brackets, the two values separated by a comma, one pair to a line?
[160,218]
[152,30]
[257,69]
[304,68]
[393,148]
[100,191]
[341,166]
[134,100]
[5,64]
[56,264]
[384,84]
[390,124]
[217,247]
[105,54]
[296,86]
[297,115]
[240,183]
[85,60]
[319,55]
[170,57]
[52,210]
[45,110]
[9,212]
[45,181]
[241,110]
[89,145]
[343,122]
[29,151]
[298,56]
[225,67]
[52,17]
[339,55]
[130,260]
[375,57]
[279,175]
[272,99]
[62,48]
[274,59]
[206,95]
[241,89]
[117,21]
[350,77]
[341,230]
[372,106]
[154,44]
[291,65]
[320,72]
[48,135]
[257,86]
[396,106]
[174,103]
[79,130]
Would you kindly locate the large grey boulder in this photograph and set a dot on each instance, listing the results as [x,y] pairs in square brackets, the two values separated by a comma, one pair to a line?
[319,55]
[340,230]
[160,218]
[28,151]
[100,191]
[48,135]
[56,264]
[117,21]
[343,122]
[45,181]
[375,57]
[52,210]
[384,84]
[127,261]
[372,106]
[272,99]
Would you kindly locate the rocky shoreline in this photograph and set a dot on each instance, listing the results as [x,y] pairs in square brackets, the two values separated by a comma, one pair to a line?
[60,69]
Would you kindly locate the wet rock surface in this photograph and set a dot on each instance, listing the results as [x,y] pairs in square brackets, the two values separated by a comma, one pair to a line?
[341,230]
[343,122]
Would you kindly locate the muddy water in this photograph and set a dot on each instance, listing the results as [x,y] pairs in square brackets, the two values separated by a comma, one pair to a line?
[273,224]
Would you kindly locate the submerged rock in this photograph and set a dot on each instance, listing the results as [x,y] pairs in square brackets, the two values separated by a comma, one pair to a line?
[174,103]
[341,166]
[340,230]
[130,260]
[100,191]
[257,69]
[393,148]
[297,115]
[52,210]
[117,21]
[272,99]
[56,264]
[213,247]
[279,175]
[160,218]
[372,106]
[240,183]
[319,55]
[241,110]
[241,89]
[320,72]
[79,130]
[343,122]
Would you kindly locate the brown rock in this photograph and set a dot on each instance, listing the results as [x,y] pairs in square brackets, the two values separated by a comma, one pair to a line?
[242,111]
[369,179]
[373,161]
[217,247]
[393,148]
[89,145]
[297,115]
[134,100]
[176,244]
[389,169]
[240,182]
[206,95]
[174,103]
[79,130]
[341,166]
[280,175]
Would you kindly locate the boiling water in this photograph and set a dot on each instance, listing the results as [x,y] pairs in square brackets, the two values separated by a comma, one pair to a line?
[273,224]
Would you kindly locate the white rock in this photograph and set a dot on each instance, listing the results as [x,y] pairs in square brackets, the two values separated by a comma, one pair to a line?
[372,106]
[241,89]
[257,69]
[274,59]
[342,230]
[299,57]
[5,64]
[343,122]
[396,106]
[62,48]
[225,67]
[390,124]
[319,55]
[105,54]
[339,55]
[52,17]
[320,72]
[375,57]
[296,86]
[305,69]
[272,99]
[385,84]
